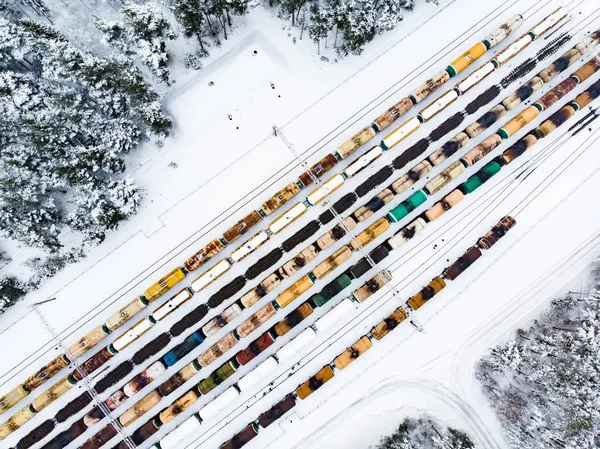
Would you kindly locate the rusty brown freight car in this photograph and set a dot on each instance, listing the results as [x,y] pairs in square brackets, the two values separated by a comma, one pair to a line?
[204,255]
[433,288]
[315,382]
[353,352]
[497,232]
[293,319]
[242,226]
[390,323]
[463,262]
[372,286]
[277,411]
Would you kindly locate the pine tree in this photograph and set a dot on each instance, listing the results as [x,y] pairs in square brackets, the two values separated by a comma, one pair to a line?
[425,433]
[389,15]
[98,209]
[320,24]
[11,290]
[191,15]
[151,30]
[360,27]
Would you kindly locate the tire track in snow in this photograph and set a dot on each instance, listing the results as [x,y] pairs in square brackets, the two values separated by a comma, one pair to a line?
[394,384]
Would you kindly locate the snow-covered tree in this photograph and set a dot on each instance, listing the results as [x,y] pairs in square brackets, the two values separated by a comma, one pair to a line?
[360,25]
[320,24]
[11,290]
[68,117]
[4,258]
[45,268]
[151,31]
[390,14]
[425,432]
[544,384]
[115,34]
[353,23]
[191,14]
[100,209]
[17,9]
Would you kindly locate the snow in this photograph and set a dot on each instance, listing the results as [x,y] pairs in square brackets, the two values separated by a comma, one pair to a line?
[224,172]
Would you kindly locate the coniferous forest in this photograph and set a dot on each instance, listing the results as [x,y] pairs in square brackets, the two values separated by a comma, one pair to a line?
[544,383]
[424,432]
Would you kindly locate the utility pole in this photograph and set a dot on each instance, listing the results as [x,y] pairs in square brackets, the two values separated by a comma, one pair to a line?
[34,308]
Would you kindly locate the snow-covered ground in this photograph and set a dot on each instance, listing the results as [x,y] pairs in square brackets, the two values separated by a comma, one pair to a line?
[224,172]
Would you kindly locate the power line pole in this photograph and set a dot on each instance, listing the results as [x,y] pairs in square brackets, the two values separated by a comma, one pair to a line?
[34,308]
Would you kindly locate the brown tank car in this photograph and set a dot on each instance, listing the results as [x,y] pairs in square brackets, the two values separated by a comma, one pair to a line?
[336,233]
[221,320]
[315,382]
[497,232]
[140,408]
[143,379]
[277,411]
[101,438]
[487,120]
[53,393]
[48,371]
[586,97]
[87,341]
[444,178]
[142,433]
[555,94]
[296,264]
[523,93]
[355,142]
[372,286]
[481,150]
[447,203]
[261,290]
[390,323]
[178,407]
[412,176]
[370,234]
[518,149]
[319,169]
[179,378]
[294,291]
[112,402]
[217,350]
[16,421]
[392,114]
[280,198]
[376,203]
[558,66]
[428,292]
[204,255]
[241,438]
[332,262]
[293,319]
[353,352]
[586,71]
[555,120]
[429,86]
[242,226]
[463,262]
[255,321]
[93,363]
[449,148]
